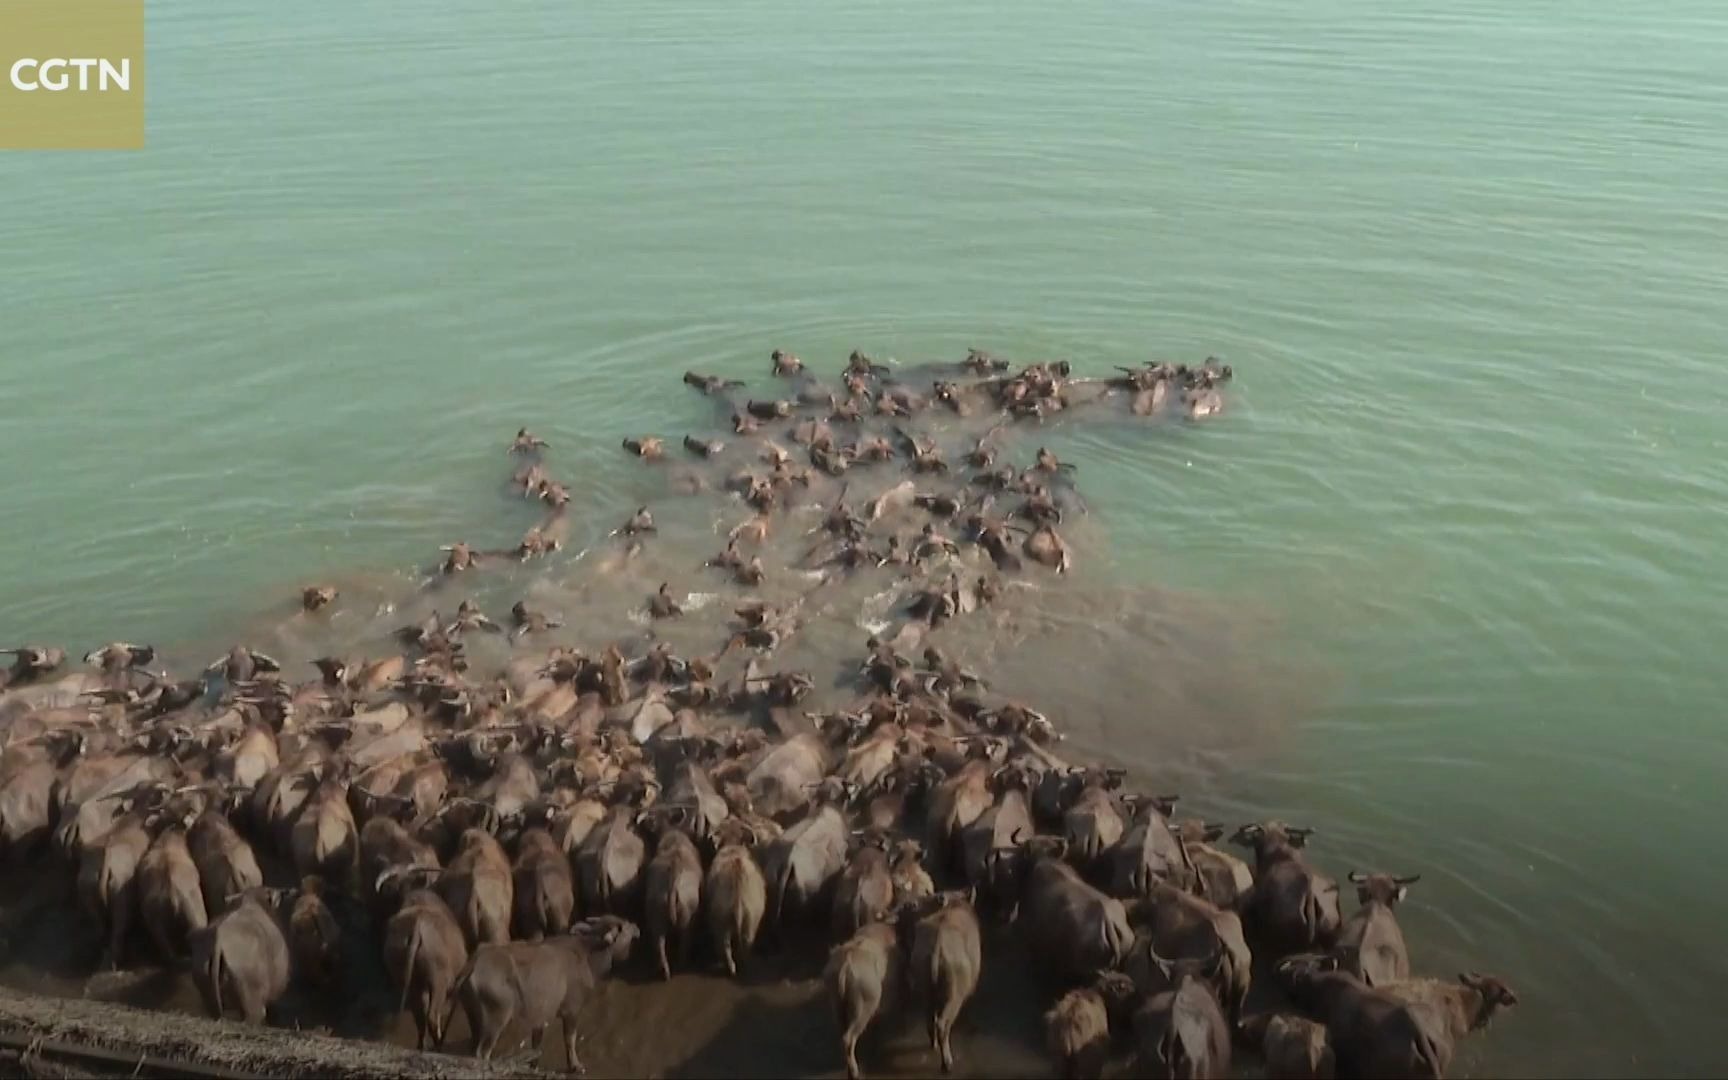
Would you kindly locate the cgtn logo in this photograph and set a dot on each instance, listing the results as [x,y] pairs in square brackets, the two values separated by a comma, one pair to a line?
[73,74]
[53,75]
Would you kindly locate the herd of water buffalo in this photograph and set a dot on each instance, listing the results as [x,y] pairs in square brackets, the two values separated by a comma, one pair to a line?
[516,833]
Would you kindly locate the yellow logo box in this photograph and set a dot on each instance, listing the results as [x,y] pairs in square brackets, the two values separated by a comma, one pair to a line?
[71,74]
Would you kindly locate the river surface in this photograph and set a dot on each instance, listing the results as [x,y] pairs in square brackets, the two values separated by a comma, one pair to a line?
[1457,546]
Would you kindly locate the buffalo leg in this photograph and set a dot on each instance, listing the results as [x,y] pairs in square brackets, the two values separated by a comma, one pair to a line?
[941,1030]
[120,926]
[572,1063]
[686,943]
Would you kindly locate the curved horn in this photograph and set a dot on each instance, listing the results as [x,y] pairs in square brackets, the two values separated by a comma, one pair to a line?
[1356,877]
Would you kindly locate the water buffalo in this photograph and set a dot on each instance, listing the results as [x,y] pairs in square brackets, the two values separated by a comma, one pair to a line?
[693,789]
[1460,1007]
[544,886]
[735,894]
[107,872]
[959,801]
[865,891]
[1293,906]
[861,972]
[479,888]
[170,895]
[29,663]
[906,871]
[803,860]
[1149,852]
[1010,816]
[946,963]
[1187,927]
[227,866]
[1073,929]
[324,839]
[249,758]
[1370,944]
[1077,1027]
[385,845]
[1181,1032]
[672,885]
[242,959]
[609,864]
[1376,1032]
[540,982]
[28,774]
[1093,822]
[314,938]
[424,953]
[1295,1048]
[781,782]
[1220,876]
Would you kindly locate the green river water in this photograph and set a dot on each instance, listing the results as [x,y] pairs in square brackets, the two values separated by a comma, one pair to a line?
[1467,259]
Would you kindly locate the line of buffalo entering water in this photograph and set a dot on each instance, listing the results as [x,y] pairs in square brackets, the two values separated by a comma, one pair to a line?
[516,836]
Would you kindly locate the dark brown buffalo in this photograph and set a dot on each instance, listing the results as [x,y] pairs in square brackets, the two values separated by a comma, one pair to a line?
[1295,1048]
[28,772]
[806,858]
[227,866]
[1370,945]
[996,828]
[946,963]
[735,893]
[1093,822]
[241,960]
[1182,926]
[107,881]
[1293,907]
[861,973]
[386,845]
[1469,1004]
[479,888]
[1077,1027]
[1220,876]
[609,864]
[672,886]
[956,803]
[1379,1033]
[1181,1032]
[865,891]
[544,887]
[324,839]
[424,953]
[1073,929]
[314,938]
[537,983]
[170,895]
[1150,851]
